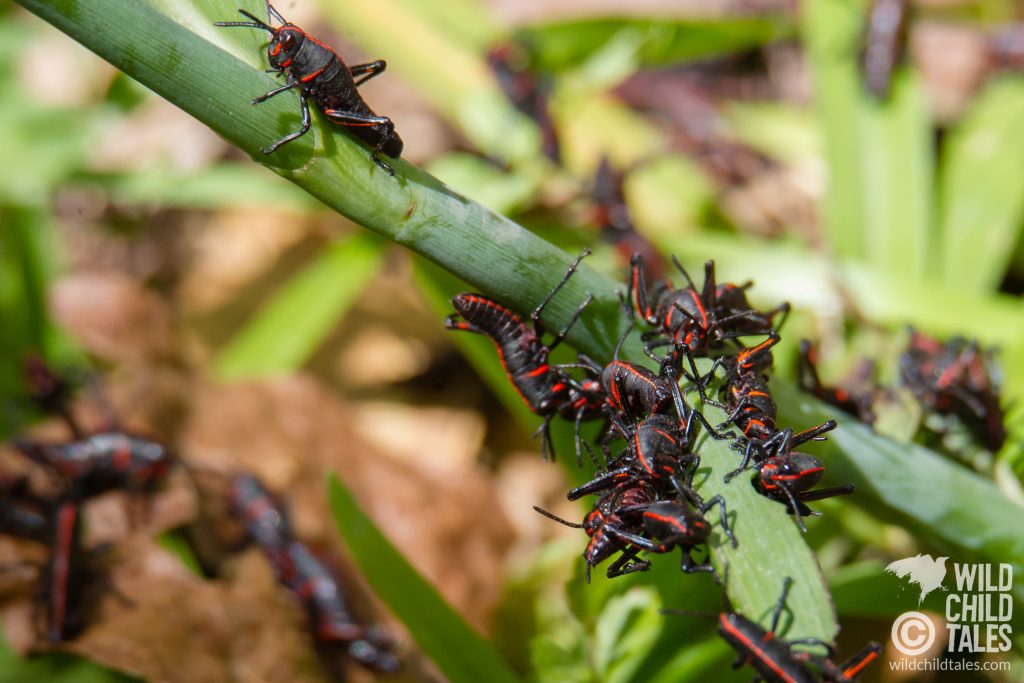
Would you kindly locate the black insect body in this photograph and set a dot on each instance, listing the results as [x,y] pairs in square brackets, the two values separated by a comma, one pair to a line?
[264,520]
[776,660]
[752,408]
[308,577]
[884,44]
[23,521]
[690,318]
[49,391]
[332,622]
[660,445]
[70,581]
[321,75]
[22,514]
[548,390]
[657,450]
[856,403]
[789,479]
[527,92]
[634,391]
[103,462]
[954,379]
[610,213]
[617,510]
[747,397]
[672,524]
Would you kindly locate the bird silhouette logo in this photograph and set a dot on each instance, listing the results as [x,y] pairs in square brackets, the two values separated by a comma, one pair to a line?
[926,572]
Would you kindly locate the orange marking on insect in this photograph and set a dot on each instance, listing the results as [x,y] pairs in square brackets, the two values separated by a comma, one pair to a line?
[539,371]
[700,307]
[61,564]
[755,649]
[307,78]
[671,521]
[854,670]
[666,435]
[946,378]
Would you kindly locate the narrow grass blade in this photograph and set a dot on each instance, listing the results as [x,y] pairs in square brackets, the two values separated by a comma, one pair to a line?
[830,29]
[982,190]
[625,633]
[461,654]
[898,175]
[568,44]
[695,661]
[289,327]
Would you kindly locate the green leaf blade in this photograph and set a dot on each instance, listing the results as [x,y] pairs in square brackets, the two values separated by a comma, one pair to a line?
[461,654]
[982,190]
[289,327]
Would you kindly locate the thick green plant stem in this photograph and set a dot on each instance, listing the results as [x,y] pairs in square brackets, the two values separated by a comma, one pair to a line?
[415,210]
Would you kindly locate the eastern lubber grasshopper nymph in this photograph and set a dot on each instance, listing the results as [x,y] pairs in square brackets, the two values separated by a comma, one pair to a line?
[321,75]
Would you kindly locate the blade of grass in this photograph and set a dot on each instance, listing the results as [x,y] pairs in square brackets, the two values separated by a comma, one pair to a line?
[291,325]
[487,251]
[562,45]
[695,661]
[461,654]
[982,190]
[625,632]
[830,29]
[898,175]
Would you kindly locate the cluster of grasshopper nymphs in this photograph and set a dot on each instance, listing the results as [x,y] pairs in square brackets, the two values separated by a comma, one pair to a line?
[645,498]
[94,462]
